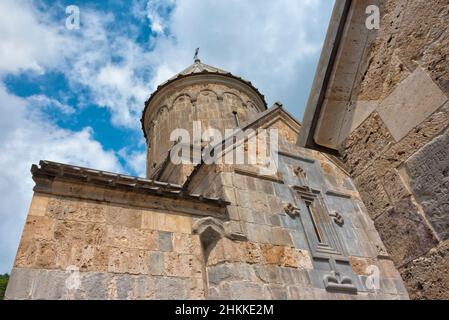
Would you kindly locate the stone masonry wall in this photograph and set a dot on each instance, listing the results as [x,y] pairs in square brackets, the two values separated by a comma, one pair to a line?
[398,155]
[274,260]
[115,252]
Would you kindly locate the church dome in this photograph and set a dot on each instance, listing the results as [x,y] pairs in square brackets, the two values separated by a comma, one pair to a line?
[200,70]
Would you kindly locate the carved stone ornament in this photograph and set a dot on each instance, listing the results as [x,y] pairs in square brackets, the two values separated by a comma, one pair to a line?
[299,172]
[291,210]
[338,219]
[337,283]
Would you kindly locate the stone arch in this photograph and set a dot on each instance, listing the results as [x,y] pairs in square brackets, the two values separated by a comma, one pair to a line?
[181,97]
[210,231]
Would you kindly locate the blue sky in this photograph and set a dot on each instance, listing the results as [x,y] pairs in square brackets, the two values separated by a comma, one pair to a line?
[76,96]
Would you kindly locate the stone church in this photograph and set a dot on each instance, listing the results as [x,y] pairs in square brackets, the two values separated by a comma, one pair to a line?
[356,209]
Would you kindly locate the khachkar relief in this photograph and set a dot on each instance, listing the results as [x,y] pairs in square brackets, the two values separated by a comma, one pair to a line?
[327,249]
[428,171]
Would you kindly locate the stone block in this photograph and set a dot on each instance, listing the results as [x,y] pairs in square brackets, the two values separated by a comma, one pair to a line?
[247,291]
[94,285]
[365,144]
[274,220]
[395,186]
[221,272]
[197,289]
[156,263]
[124,237]
[26,254]
[125,286]
[38,205]
[186,244]
[21,283]
[268,273]
[300,293]
[126,260]
[80,232]
[171,288]
[166,222]
[38,228]
[122,216]
[278,292]
[144,288]
[182,265]
[45,255]
[404,232]
[165,241]
[233,212]
[429,171]
[372,192]
[81,210]
[85,257]
[417,97]
[281,236]
[285,256]
[50,285]
[426,277]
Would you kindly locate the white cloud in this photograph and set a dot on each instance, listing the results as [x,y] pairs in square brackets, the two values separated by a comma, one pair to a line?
[26,137]
[135,160]
[42,101]
[26,43]
[274,44]
[157,14]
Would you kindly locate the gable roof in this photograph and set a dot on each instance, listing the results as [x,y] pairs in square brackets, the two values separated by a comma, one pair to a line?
[263,118]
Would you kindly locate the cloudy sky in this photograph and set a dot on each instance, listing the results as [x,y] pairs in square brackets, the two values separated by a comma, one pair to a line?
[76,96]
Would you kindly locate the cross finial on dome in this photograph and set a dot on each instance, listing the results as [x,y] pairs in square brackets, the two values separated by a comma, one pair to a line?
[196,58]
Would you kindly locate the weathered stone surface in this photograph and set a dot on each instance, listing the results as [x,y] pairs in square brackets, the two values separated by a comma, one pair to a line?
[80,232]
[182,265]
[38,228]
[285,256]
[165,241]
[38,205]
[247,290]
[156,263]
[221,272]
[123,237]
[127,260]
[278,292]
[123,216]
[417,96]
[395,186]
[372,192]
[365,144]
[170,288]
[186,243]
[281,236]
[404,232]
[94,285]
[429,179]
[66,209]
[426,277]
[166,222]
[50,285]
[20,283]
